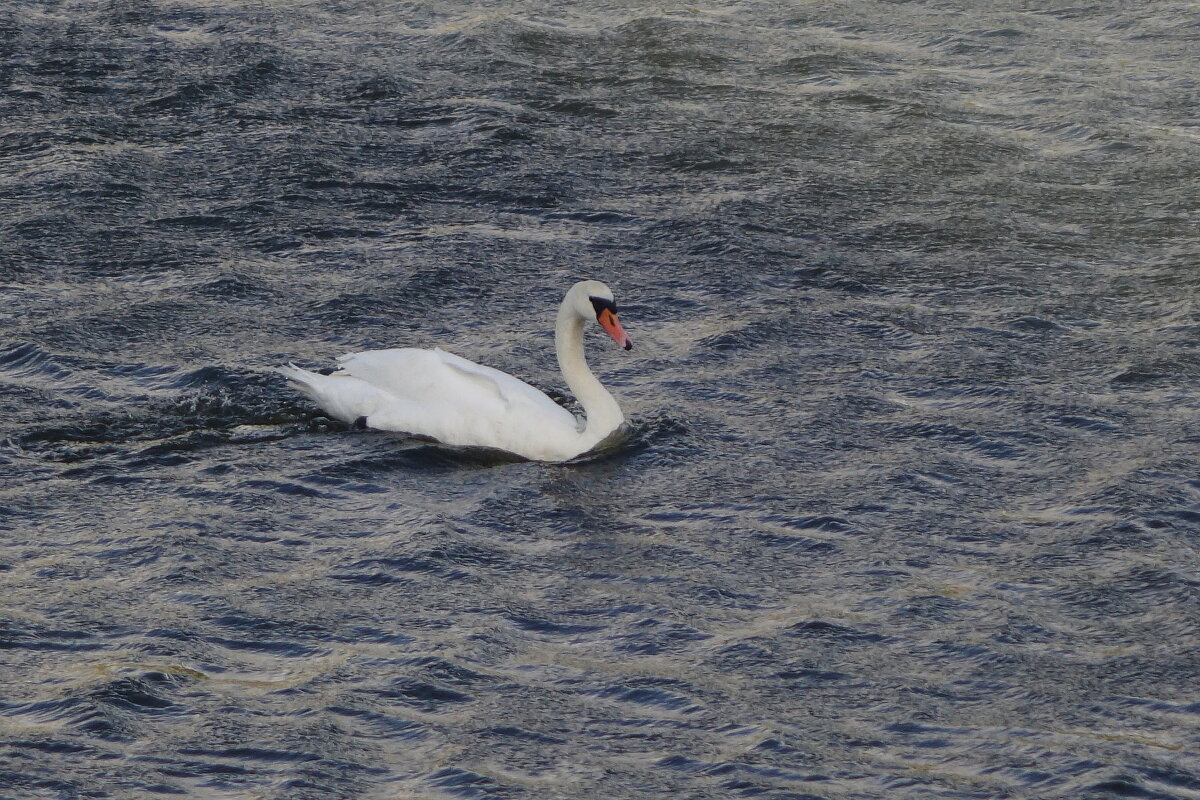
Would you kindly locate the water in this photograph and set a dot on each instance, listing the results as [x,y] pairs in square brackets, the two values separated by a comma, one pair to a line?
[911,504]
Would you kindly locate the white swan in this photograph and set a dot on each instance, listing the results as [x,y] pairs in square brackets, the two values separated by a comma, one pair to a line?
[458,402]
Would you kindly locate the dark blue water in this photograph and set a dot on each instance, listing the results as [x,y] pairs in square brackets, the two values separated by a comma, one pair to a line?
[911,507]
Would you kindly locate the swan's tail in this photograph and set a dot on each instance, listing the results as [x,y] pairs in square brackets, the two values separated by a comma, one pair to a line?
[339,395]
[303,380]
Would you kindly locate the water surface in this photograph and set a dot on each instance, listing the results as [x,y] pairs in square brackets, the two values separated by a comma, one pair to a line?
[911,504]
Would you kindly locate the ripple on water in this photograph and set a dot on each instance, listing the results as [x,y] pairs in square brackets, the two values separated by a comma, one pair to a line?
[113,710]
[375,725]
[649,692]
[423,696]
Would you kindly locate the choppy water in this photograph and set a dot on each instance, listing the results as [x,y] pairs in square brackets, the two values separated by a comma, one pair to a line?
[912,504]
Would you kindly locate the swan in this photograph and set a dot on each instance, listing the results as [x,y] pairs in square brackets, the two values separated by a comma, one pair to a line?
[458,402]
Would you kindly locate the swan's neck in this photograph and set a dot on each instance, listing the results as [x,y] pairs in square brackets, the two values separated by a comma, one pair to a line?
[599,407]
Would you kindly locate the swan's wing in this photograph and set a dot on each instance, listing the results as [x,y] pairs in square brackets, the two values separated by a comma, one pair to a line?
[405,372]
[514,392]
[483,382]
[451,388]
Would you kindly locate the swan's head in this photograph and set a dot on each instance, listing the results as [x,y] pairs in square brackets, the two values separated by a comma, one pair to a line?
[594,299]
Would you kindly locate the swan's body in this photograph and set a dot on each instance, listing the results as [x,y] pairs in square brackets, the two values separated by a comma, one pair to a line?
[458,402]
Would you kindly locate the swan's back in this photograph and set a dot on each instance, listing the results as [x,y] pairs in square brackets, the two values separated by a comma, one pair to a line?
[438,394]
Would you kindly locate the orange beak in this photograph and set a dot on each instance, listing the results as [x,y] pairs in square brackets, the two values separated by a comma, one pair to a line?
[608,320]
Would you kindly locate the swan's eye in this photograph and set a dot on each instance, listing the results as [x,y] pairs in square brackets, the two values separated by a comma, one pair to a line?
[602,304]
